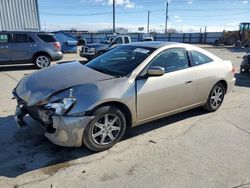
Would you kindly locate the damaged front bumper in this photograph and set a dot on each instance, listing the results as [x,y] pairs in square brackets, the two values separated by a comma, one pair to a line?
[62,131]
[68,130]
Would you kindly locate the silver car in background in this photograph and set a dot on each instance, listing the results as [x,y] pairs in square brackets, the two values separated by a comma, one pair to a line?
[21,47]
[93,104]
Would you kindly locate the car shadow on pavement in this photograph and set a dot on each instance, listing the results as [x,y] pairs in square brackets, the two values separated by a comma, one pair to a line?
[25,150]
[17,67]
[147,127]
[235,49]
[242,80]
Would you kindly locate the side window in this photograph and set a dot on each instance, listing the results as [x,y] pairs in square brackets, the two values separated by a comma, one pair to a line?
[4,38]
[118,40]
[198,58]
[172,60]
[126,40]
[22,38]
[47,38]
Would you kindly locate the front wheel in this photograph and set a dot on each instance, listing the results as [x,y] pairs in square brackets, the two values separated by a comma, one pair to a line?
[215,98]
[42,61]
[106,129]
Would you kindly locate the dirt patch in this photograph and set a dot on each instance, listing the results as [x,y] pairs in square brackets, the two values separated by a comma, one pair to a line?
[55,168]
[109,177]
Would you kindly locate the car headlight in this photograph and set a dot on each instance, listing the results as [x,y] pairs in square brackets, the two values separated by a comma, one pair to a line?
[60,108]
[92,50]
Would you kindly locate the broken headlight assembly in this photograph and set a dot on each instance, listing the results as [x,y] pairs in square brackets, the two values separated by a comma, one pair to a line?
[61,107]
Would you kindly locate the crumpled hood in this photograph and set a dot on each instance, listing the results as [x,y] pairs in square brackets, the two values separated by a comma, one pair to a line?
[42,84]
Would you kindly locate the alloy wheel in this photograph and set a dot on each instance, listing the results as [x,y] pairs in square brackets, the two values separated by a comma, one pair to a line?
[42,61]
[216,97]
[106,129]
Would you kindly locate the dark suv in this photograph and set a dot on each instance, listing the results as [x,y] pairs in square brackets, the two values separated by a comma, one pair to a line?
[29,47]
[245,65]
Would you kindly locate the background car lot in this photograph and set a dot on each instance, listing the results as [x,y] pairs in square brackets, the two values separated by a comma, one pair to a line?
[191,149]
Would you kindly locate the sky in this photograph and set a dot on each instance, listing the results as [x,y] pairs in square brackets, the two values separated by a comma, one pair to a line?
[184,15]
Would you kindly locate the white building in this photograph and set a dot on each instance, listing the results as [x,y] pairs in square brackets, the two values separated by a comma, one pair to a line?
[19,15]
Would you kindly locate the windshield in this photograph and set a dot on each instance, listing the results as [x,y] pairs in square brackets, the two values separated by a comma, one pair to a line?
[120,61]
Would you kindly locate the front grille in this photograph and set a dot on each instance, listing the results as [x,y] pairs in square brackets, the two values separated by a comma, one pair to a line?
[39,114]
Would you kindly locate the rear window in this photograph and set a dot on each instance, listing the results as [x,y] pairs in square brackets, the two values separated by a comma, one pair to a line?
[22,38]
[47,38]
[198,58]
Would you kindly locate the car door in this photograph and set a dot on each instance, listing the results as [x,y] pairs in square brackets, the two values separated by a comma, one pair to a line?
[171,92]
[205,69]
[22,47]
[5,53]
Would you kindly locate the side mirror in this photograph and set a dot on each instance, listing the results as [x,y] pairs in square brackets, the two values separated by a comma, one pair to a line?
[155,71]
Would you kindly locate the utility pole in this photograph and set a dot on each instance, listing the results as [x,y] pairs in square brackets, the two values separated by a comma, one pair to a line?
[166,23]
[148,21]
[113,16]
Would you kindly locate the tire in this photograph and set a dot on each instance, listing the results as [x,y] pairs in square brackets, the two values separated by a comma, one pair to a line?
[42,61]
[231,40]
[215,98]
[107,120]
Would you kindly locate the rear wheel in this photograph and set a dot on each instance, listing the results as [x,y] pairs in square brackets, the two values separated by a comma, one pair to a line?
[215,98]
[106,129]
[42,61]
[231,40]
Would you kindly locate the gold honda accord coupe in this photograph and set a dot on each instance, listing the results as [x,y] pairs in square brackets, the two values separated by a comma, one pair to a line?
[132,84]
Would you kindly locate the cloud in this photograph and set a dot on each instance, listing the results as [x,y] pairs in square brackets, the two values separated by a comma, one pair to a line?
[190,2]
[178,19]
[131,5]
[125,3]
[245,2]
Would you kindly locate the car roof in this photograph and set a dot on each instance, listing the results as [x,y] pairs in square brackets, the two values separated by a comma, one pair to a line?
[24,32]
[151,44]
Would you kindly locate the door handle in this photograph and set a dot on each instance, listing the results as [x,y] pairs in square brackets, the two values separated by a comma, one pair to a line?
[33,45]
[189,82]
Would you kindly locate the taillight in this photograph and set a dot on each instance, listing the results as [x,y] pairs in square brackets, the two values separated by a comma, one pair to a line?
[233,70]
[57,45]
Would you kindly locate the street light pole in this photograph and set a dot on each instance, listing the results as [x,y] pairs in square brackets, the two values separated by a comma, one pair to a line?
[148,21]
[113,16]
[166,23]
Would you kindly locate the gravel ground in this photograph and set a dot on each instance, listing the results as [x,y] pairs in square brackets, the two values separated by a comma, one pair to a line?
[191,149]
